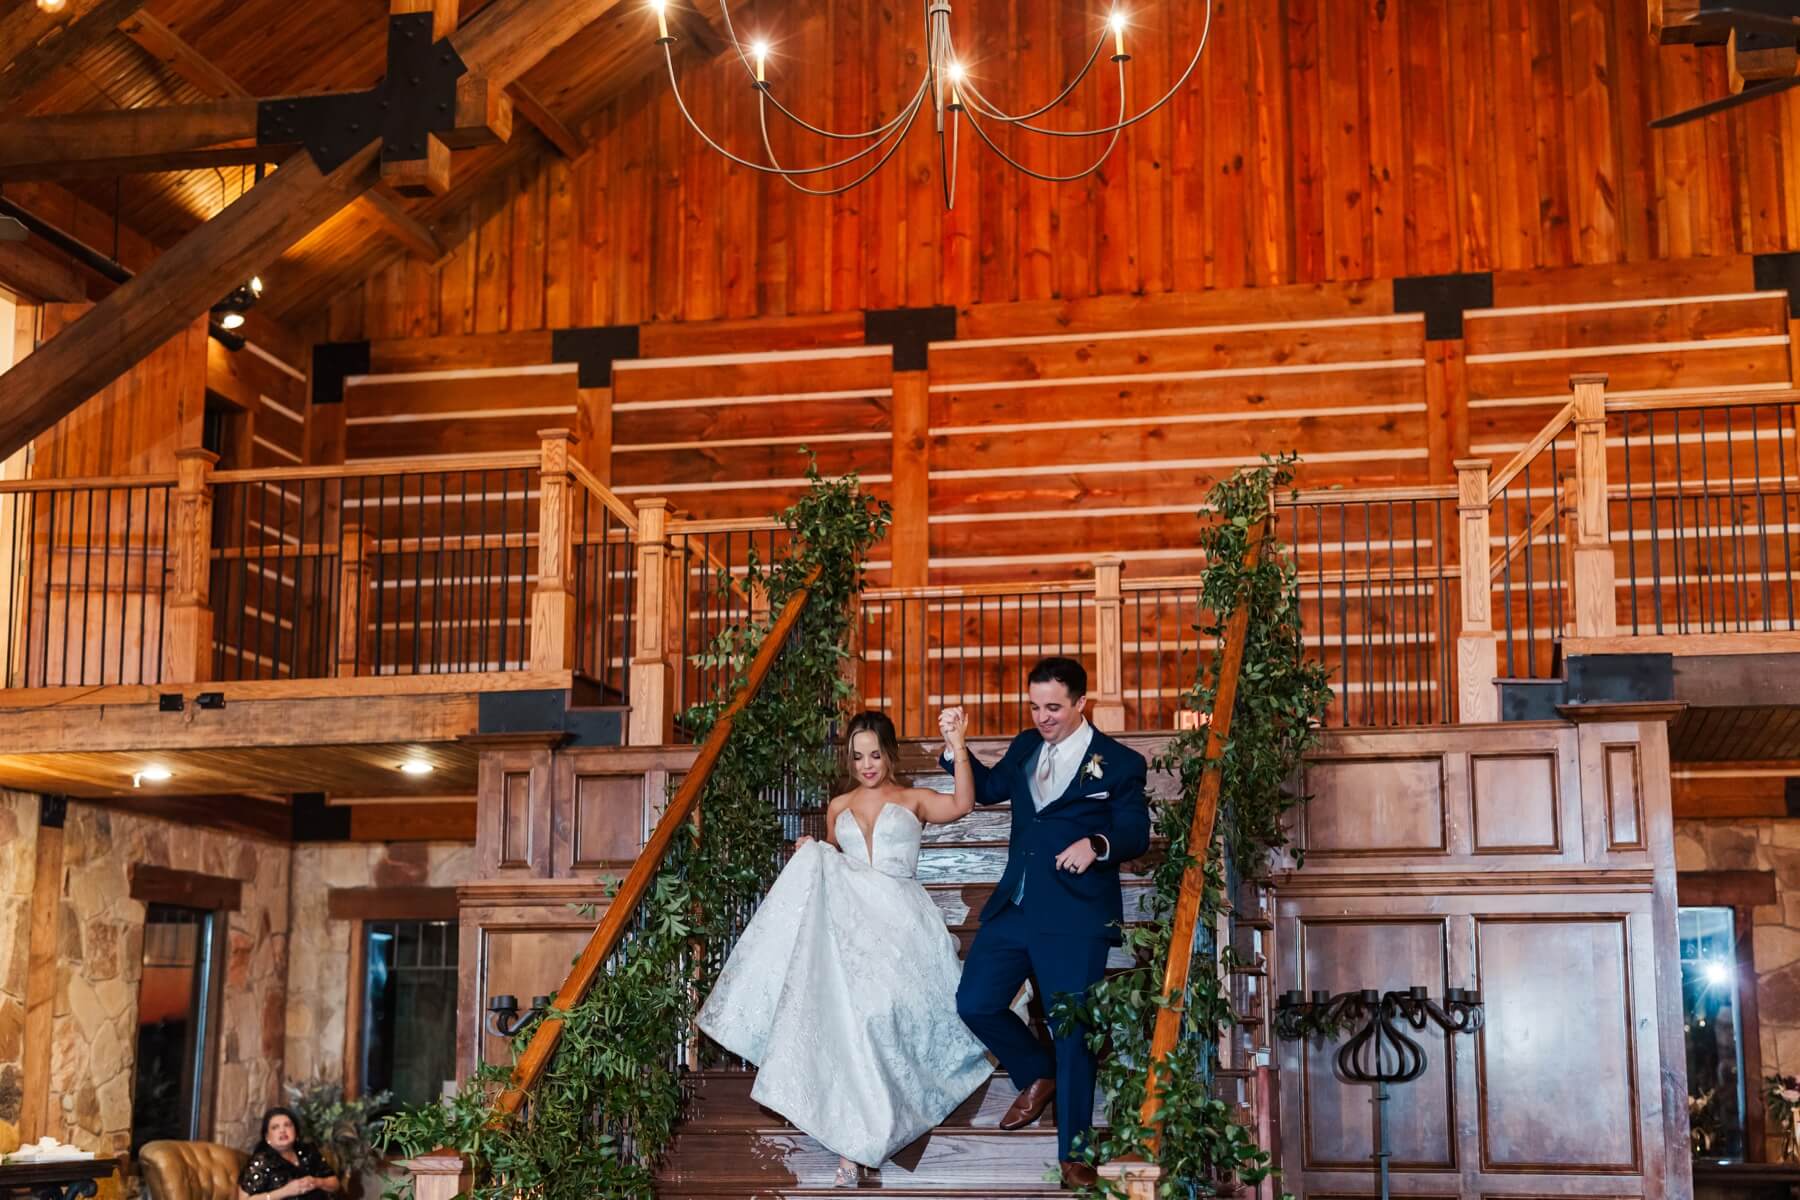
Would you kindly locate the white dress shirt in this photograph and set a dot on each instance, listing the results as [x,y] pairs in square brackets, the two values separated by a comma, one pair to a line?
[1065,759]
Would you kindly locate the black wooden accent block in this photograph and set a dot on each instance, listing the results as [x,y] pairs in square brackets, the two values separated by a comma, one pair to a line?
[1531,699]
[316,821]
[1620,678]
[1791,793]
[594,349]
[419,93]
[1444,299]
[332,363]
[910,331]
[53,811]
[548,710]
[1779,273]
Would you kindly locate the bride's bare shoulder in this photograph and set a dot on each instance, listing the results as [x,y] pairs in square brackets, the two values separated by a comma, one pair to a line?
[838,802]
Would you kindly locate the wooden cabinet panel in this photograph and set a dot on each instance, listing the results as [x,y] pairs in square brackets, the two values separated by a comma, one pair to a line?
[1374,806]
[1515,801]
[1558,1056]
[1340,956]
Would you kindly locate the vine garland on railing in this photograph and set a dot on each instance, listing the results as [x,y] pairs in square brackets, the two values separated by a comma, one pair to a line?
[1281,701]
[604,1111]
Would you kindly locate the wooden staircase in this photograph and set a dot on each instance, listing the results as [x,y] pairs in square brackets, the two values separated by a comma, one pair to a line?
[729,1146]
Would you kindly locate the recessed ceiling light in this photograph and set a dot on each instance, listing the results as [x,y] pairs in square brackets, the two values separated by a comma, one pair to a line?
[416,766]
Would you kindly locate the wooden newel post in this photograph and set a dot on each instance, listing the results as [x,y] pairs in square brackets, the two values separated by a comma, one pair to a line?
[440,1175]
[356,601]
[1138,1180]
[1109,646]
[187,634]
[652,693]
[553,603]
[1477,654]
[1591,580]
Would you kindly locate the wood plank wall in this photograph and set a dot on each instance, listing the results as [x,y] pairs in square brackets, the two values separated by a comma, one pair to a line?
[1319,141]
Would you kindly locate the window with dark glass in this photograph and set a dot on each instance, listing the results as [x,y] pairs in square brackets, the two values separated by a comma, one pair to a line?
[409,1009]
[176,1002]
[1715,1052]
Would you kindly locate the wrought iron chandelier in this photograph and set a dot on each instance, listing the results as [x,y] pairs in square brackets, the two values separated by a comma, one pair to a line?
[954,98]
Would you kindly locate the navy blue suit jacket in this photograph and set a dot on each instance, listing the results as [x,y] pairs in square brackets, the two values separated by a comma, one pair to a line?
[1089,904]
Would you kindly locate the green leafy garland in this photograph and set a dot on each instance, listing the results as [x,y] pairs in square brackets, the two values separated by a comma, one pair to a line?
[1281,700]
[604,1111]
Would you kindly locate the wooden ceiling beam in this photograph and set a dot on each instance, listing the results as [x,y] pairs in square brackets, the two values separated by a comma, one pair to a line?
[401,225]
[34,43]
[145,164]
[504,41]
[29,272]
[168,48]
[570,144]
[109,135]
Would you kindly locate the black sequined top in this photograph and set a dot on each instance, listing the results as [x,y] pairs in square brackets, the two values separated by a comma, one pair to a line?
[268,1170]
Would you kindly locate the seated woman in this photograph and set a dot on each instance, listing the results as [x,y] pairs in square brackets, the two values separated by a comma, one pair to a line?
[282,1167]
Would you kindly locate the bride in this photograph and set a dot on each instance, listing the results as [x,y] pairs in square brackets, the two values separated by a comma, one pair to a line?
[842,989]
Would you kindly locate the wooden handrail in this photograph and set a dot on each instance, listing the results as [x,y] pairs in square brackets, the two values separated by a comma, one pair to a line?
[1624,404]
[636,885]
[1200,833]
[725,525]
[606,496]
[1446,491]
[1082,587]
[100,482]
[511,460]
[1526,536]
[1499,479]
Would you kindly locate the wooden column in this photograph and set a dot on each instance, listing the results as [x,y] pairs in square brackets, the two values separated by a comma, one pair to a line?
[356,601]
[1108,711]
[1446,407]
[553,602]
[652,696]
[909,539]
[41,969]
[188,626]
[1591,583]
[1477,655]
[594,431]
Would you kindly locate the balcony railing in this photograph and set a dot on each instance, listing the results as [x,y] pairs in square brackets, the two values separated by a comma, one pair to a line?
[1621,517]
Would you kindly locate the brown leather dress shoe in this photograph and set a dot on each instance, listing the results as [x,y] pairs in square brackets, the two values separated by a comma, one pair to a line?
[1030,1105]
[1079,1175]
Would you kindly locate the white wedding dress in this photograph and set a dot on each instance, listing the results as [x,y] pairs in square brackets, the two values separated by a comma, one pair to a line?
[842,990]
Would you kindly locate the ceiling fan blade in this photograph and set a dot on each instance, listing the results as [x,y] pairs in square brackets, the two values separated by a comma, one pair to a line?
[1718,106]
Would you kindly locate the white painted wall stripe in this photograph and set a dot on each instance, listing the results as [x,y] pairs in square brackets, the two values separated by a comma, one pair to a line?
[469,414]
[1119,335]
[1328,368]
[725,485]
[817,439]
[1628,349]
[1066,514]
[278,364]
[447,374]
[765,398]
[1535,310]
[283,451]
[1173,464]
[1285,414]
[1634,394]
[753,356]
[269,402]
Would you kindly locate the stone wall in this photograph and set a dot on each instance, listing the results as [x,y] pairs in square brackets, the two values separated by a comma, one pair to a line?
[319,982]
[18,863]
[100,952]
[1761,845]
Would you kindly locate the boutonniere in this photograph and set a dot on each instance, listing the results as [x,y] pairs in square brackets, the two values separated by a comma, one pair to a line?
[1096,767]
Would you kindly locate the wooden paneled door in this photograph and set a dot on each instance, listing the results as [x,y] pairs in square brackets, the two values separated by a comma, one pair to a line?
[1535,863]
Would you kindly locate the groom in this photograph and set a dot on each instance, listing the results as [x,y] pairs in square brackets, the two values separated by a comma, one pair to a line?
[1078,812]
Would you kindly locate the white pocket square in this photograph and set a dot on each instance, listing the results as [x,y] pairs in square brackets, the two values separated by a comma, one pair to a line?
[1098,796]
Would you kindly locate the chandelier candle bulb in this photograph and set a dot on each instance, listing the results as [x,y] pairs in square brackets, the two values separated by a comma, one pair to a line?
[662,19]
[760,52]
[1118,27]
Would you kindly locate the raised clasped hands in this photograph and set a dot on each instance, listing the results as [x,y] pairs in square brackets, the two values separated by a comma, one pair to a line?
[953,723]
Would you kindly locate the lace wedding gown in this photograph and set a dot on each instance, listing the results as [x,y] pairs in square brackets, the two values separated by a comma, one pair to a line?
[842,991]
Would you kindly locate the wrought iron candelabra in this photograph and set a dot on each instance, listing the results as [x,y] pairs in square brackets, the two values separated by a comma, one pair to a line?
[504,1018]
[1380,1052]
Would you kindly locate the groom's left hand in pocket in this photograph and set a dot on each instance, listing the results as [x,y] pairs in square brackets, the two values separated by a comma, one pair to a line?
[1077,858]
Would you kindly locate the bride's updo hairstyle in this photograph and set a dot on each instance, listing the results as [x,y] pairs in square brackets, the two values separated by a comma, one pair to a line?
[883,729]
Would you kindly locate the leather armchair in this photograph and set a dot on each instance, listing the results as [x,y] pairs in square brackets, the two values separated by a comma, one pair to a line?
[191,1170]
